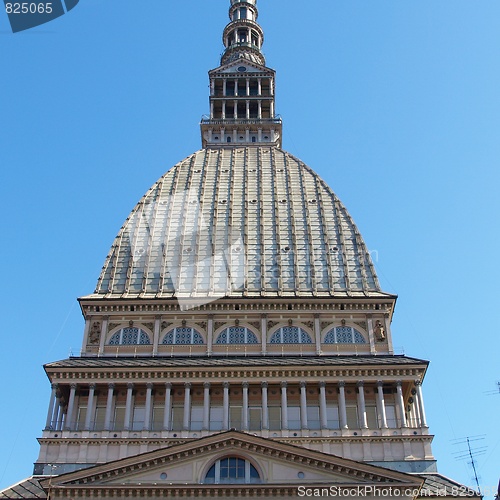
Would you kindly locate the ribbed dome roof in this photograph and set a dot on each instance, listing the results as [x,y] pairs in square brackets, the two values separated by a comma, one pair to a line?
[238,222]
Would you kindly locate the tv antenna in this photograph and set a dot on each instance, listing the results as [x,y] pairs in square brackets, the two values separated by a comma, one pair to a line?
[470,453]
[495,391]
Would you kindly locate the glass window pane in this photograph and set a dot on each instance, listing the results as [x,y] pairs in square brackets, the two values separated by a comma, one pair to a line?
[352,417]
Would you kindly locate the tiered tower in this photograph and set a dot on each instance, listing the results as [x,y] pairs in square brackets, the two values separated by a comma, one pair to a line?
[238,294]
[242,105]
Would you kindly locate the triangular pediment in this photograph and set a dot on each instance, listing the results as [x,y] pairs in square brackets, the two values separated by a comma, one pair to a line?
[238,65]
[186,465]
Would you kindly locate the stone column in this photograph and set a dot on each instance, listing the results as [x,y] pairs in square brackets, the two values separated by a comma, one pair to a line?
[168,406]
[363,424]
[248,86]
[284,406]
[244,419]
[127,424]
[50,412]
[147,410]
[86,334]
[259,114]
[317,333]
[322,405]
[401,404]
[236,87]
[247,109]
[342,406]
[224,87]
[225,407]
[90,407]
[381,405]
[210,334]
[303,406]
[271,109]
[109,407]
[104,332]
[420,398]
[187,406]
[60,417]
[235,113]
[223,110]
[259,86]
[263,328]
[371,336]
[265,409]
[156,337]
[206,406]
[70,415]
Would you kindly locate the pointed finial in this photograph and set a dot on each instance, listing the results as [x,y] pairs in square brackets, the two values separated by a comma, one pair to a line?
[243,37]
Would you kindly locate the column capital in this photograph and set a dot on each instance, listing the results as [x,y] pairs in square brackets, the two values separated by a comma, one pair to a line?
[418,383]
[303,385]
[399,383]
[187,385]
[264,385]
[130,385]
[168,385]
[284,385]
[341,383]
[54,386]
[225,385]
[245,385]
[149,385]
[380,383]
[206,385]
[73,386]
[111,385]
[322,384]
[360,383]
[92,386]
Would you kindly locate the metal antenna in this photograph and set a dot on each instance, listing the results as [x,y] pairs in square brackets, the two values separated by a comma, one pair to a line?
[493,392]
[471,453]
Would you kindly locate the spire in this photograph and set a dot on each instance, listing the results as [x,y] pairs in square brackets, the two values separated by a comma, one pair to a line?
[242,106]
[243,37]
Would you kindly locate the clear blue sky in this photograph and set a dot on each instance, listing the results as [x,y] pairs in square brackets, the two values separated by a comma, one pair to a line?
[395,103]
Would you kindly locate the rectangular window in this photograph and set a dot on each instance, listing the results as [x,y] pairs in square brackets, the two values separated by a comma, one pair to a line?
[196,418]
[313,421]
[235,414]
[274,418]
[119,418]
[80,421]
[255,418]
[177,417]
[294,417]
[100,416]
[390,412]
[216,417]
[371,417]
[352,417]
[332,417]
[158,416]
[139,418]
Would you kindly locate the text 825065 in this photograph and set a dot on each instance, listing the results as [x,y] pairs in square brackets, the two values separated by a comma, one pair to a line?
[28,8]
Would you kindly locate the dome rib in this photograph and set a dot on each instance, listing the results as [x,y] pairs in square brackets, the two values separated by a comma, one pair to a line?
[238,222]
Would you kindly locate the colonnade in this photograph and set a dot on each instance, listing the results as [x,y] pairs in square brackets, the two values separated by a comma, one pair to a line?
[62,412]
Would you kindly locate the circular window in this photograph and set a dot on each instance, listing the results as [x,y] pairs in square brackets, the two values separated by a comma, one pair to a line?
[163,475]
[300,475]
[242,68]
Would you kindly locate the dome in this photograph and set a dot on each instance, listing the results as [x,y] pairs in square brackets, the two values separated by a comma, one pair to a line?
[238,222]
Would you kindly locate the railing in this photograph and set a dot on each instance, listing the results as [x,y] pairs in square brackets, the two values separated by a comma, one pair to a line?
[206,120]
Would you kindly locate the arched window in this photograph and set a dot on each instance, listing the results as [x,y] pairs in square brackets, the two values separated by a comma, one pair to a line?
[344,335]
[290,335]
[130,336]
[237,335]
[232,470]
[183,336]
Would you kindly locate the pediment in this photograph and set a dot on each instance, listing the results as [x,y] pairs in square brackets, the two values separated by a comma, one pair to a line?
[185,465]
[250,67]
